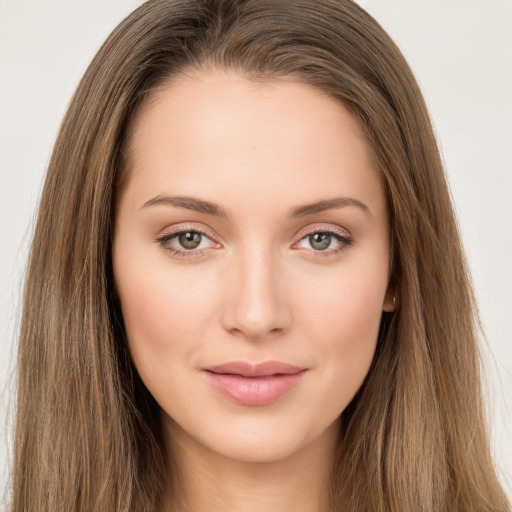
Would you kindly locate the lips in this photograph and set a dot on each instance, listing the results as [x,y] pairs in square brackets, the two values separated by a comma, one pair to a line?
[254,384]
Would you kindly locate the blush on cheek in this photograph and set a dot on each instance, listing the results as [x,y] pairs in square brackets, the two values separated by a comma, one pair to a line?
[161,308]
[346,326]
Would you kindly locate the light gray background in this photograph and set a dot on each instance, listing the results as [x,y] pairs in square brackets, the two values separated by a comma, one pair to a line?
[461,52]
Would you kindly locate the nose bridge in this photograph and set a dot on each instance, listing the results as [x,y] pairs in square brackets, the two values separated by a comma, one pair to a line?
[258,304]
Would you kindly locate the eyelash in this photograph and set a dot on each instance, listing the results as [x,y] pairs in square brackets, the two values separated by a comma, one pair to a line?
[345,242]
[164,239]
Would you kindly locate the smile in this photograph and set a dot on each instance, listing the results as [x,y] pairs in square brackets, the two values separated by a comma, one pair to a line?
[249,384]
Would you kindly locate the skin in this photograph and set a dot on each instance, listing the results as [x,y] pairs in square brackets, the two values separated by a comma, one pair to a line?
[258,287]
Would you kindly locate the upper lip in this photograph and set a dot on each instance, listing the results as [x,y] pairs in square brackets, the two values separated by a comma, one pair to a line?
[246,369]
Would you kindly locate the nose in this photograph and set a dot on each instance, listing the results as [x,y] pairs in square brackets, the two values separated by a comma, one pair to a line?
[257,304]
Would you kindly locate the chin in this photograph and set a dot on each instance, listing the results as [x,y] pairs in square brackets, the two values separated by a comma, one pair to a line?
[260,449]
[257,440]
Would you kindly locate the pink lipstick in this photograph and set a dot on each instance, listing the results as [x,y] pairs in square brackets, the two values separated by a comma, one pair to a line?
[254,384]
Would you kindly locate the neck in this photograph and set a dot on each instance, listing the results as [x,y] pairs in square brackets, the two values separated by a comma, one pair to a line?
[209,481]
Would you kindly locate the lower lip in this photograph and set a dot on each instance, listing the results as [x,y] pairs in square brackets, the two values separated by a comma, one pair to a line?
[254,390]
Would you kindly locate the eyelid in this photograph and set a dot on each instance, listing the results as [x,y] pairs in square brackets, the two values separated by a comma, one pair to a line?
[183,228]
[324,228]
[170,233]
[343,237]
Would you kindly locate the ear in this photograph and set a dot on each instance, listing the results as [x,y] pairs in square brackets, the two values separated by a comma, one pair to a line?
[391,299]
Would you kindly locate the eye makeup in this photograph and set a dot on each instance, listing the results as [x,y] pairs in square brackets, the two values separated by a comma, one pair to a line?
[323,237]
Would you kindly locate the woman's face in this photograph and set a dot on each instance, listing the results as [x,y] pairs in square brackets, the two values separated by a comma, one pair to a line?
[251,259]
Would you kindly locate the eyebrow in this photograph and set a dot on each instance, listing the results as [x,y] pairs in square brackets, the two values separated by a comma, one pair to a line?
[328,204]
[201,206]
[190,203]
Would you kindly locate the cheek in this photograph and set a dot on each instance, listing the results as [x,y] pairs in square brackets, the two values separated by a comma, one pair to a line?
[164,308]
[347,306]
[343,319]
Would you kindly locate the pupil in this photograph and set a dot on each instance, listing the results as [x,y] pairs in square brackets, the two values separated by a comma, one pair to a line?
[190,240]
[320,241]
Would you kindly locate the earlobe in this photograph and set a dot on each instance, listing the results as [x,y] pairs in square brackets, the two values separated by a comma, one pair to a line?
[391,300]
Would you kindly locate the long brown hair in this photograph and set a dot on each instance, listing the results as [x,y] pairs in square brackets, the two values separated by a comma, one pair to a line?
[87,431]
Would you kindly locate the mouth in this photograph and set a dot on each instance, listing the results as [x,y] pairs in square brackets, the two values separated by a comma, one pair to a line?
[254,384]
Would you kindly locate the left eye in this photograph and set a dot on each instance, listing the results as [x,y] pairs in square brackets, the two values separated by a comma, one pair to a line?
[323,240]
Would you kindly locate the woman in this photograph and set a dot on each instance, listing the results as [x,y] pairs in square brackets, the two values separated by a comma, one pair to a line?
[246,289]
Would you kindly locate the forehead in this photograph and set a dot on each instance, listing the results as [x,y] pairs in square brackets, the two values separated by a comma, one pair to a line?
[218,132]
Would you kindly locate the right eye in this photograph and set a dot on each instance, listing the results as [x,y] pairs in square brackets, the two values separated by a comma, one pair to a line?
[186,242]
